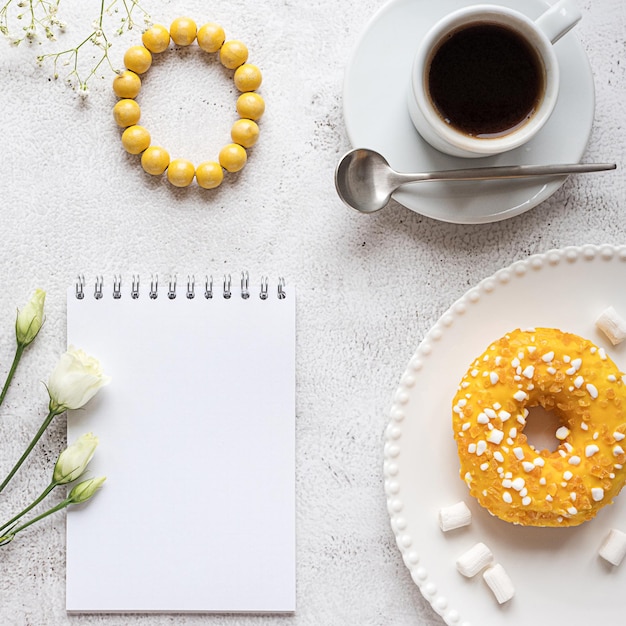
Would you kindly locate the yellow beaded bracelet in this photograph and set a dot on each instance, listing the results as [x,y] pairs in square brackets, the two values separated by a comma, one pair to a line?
[250,106]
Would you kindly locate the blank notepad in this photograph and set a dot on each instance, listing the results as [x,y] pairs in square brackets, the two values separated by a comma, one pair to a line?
[196,431]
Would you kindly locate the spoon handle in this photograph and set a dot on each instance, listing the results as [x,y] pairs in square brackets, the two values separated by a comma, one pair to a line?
[506,171]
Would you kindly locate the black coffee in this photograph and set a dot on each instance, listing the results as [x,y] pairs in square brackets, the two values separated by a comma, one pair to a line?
[485,80]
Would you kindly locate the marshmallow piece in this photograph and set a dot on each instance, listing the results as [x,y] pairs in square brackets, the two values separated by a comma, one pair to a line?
[499,582]
[455,516]
[613,325]
[613,549]
[475,559]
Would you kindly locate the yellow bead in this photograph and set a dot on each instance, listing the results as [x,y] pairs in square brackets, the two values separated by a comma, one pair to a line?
[233,157]
[126,84]
[248,77]
[155,160]
[126,112]
[211,36]
[138,59]
[209,174]
[183,31]
[233,54]
[245,133]
[156,38]
[135,139]
[250,105]
[180,172]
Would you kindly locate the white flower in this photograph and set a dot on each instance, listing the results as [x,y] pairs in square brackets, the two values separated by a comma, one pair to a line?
[75,380]
[74,459]
[30,318]
[85,490]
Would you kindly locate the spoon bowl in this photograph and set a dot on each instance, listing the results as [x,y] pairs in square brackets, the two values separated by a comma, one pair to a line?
[365,181]
[362,180]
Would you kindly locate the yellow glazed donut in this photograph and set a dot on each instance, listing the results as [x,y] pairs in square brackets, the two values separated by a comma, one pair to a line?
[576,381]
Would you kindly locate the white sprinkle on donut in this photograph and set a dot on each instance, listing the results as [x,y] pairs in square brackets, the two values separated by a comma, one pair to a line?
[520,395]
[593,391]
[529,371]
[495,436]
[578,383]
[562,432]
[547,357]
[518,484]
[574,460]
[597,493]
[519,453]
[591,449]
[567,475]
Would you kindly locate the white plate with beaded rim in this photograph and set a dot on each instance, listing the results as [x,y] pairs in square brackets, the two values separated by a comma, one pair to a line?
[376,116]
[557,572]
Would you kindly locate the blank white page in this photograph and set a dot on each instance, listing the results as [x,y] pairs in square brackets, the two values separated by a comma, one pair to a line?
[196,431]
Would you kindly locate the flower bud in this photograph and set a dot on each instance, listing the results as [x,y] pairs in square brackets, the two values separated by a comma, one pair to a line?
[74,459]
[75,380]
[30,318]
[85,490]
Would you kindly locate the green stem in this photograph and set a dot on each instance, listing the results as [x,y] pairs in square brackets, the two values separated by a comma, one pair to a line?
[54,509]
[31,445]
[16,360]
[45,492]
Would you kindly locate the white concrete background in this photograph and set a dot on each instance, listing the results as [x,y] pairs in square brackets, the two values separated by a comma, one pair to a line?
[369,287]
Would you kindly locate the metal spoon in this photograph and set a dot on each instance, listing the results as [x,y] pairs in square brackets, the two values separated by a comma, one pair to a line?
[365,181]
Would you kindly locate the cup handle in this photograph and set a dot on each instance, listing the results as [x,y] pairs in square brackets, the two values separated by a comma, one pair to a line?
[559,19]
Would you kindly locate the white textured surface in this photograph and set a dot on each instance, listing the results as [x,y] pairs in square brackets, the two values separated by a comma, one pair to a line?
[369,287]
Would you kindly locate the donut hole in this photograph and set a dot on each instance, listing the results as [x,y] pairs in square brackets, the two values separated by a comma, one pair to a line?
[540,429]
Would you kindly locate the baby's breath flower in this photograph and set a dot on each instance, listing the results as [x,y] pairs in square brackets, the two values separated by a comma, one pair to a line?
[41,20]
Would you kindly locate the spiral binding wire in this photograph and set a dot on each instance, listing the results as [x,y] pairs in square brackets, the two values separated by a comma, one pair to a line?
[172,285]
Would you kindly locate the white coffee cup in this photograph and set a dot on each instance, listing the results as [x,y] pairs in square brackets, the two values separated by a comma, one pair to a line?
[539,35]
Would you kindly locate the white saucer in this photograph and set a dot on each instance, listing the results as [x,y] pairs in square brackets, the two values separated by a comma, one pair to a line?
[376,116]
